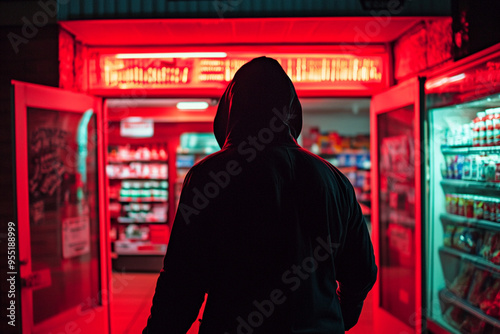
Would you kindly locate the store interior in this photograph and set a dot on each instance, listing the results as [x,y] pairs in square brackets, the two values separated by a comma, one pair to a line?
[146,168]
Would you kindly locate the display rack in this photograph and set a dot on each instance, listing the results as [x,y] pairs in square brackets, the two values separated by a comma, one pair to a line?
[477,261]
[457,220]
[448,297]
[138,195]
[469,174]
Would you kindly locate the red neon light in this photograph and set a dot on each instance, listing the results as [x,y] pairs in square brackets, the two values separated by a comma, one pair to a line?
[331,71]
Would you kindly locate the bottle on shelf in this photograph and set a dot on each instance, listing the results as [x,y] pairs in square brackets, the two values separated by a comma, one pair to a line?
[488,121]
[481,128]
[496,126]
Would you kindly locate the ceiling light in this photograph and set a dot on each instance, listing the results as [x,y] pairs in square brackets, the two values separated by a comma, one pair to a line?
[192,105]
[171,55]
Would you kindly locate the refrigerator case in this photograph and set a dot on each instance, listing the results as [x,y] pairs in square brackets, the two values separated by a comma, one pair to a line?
[462,211]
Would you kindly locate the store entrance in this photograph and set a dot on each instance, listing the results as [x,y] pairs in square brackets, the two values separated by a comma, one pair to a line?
[152,143]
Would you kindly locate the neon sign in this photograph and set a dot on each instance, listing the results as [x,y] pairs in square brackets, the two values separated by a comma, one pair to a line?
[330,71]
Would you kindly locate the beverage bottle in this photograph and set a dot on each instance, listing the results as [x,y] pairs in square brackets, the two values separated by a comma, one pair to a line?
[496,126]
[482,128]
[489,126]
[475,131]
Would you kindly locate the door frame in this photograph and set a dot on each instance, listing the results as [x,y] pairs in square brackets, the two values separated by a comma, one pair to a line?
[408,93]
[37,96]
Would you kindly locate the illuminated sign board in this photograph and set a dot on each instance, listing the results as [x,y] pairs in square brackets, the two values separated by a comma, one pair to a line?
[205,70]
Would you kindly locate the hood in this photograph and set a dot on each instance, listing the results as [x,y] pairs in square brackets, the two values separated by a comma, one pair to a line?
[260,96]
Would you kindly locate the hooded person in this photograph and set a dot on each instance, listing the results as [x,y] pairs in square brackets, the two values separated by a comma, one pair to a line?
[265,228]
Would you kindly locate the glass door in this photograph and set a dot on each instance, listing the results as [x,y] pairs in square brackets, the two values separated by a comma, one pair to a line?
[463,186]
[62,251]
[395,122]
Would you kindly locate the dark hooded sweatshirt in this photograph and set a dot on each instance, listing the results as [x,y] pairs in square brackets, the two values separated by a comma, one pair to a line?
[263,226]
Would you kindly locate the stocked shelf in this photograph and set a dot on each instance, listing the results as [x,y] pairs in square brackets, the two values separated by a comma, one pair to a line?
[469,222]
[142,200]
[477,261]
[126,247]
[470,150]
[128,220]
[112,161]
[138,178]
[471,187]
[448,297]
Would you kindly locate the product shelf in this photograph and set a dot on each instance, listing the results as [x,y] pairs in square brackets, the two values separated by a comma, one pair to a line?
[127,220]
[471,187]
[469,222]
[448,297]
[158,161]
[125,247]
[470,150]
[477,261]
[142,200]
[139,178]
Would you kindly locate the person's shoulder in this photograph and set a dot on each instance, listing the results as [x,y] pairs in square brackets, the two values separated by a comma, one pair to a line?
[325,166]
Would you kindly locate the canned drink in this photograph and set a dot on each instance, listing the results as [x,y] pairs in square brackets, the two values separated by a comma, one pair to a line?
[478,207]
[469,206]
[454,204]
[448,203]
[461,205]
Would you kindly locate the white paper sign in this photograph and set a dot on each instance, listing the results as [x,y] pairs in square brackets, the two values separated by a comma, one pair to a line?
[75,236]
[137,129]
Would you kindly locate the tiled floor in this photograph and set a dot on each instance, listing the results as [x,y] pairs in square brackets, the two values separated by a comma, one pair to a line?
[131,300]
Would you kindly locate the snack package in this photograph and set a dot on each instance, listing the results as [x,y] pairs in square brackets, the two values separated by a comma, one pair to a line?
[467,239]
[448,232]
[490,249]
[483,282]
[490,299]
[460,286]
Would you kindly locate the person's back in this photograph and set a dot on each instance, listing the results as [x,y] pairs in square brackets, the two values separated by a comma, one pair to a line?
[263,226]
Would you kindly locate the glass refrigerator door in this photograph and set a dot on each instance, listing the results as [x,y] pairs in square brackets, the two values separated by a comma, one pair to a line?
[59,185]
[464,216]
[463,204]
[396,206]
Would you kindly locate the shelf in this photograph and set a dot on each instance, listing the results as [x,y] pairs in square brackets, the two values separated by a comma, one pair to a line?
[470,149]
[139,178]
[143,200]
[471,187]
[469,222]
[448,297]
[136,160]
[139,248]
[476,260]
[127,220]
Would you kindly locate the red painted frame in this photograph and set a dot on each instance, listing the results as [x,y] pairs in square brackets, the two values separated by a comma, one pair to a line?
[408,93]
[37,96]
